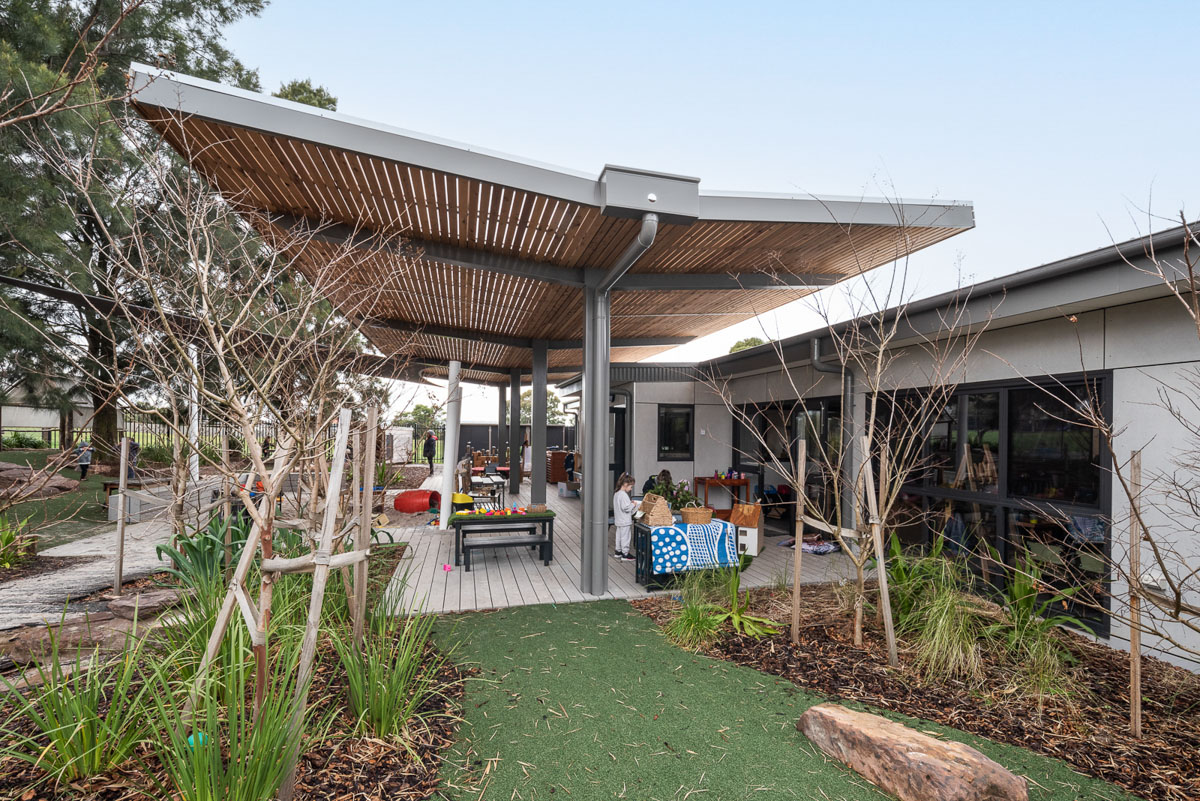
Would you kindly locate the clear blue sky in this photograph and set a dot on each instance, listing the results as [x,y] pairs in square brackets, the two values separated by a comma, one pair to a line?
[1061,121]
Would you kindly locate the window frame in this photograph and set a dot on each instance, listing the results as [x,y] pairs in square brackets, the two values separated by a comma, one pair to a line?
[674,456]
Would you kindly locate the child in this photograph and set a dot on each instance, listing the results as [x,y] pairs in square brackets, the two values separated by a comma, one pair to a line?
[623,509]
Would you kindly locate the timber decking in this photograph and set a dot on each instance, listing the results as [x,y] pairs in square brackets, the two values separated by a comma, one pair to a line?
[505,577]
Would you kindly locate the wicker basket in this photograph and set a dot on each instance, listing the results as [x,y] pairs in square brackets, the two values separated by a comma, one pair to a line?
[696,515]
[656,510]
[537,508]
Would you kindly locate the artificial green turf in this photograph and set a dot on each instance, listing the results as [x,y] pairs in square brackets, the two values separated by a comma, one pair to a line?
[66,517]
[589,701]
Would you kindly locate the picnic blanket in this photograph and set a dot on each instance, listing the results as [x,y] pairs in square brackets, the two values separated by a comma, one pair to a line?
[682,547]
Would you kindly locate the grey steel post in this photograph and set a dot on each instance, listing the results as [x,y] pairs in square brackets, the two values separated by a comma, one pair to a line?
[594,433]
[537,423]
[501,428]
[514,431]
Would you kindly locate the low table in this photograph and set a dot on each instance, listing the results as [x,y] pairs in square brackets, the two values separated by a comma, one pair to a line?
[499,524]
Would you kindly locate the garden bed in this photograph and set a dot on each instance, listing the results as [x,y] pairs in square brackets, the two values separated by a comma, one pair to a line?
[1088,729]
[338,762]
[39,565]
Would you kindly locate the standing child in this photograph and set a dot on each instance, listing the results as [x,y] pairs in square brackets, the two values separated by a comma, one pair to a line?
[623,509]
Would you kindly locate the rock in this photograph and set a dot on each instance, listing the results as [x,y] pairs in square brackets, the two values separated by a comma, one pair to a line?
[906,763]
[79,633]
[147,604]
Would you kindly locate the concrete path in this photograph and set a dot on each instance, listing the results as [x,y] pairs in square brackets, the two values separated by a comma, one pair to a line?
[38,599]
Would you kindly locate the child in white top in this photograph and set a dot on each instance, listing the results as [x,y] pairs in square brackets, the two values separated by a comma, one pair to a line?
[623,509]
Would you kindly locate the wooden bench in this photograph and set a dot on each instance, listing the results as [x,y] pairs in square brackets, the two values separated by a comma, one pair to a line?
[519,535]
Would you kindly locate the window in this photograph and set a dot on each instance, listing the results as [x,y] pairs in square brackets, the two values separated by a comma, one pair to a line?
[1051,456]
[675,433]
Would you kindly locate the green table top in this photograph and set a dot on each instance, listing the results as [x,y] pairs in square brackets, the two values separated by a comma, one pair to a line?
[459,518]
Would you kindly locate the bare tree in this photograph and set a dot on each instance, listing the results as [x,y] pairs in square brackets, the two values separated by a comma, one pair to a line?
[905,377]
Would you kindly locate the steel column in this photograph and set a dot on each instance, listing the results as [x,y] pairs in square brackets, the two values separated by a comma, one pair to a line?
[501,427]
[537,424]
[594,541]
[450,452]
[515,456]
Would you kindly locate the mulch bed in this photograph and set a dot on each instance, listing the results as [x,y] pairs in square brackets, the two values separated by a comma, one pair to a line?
[37,565]
[1088,729]
[410,476]
[340,767]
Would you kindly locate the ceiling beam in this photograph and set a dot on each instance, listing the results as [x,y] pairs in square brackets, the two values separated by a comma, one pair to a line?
[576,277]
[691,282]
[450,332]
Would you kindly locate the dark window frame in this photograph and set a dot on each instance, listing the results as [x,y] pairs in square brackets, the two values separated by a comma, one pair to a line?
[676,455]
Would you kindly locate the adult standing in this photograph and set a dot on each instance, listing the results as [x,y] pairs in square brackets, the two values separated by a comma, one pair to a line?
[84,451]
[430,450]
[135,450]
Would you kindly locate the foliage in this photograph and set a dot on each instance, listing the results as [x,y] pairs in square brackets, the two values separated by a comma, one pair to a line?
[911,574]
[86,721]
[949,631]
[1027,631]
[678,495]
[20,439]
[199,558]
[16,541]
[694,627]
[735,613]
[745,344]
[395,675]
[422,418]
[303,91]
[222,751]
[555,416]
[157,454]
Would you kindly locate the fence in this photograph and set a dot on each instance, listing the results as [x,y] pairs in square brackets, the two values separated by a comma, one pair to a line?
[151,434]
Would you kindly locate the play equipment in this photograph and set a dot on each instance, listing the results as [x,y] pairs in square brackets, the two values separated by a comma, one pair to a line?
[414,501]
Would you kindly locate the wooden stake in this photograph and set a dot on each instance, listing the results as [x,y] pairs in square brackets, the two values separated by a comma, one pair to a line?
[880,562]
[226,502]
[122,504]
[245,561]
[798,546]
[1135,600]
[320,577]
[362,536]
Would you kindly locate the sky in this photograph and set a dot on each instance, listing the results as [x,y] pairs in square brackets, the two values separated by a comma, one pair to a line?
[1069,125]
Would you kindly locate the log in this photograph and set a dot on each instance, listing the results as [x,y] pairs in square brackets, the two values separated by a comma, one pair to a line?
[305,564]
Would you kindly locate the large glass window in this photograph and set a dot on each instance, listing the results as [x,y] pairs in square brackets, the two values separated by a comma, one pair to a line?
[675,442]
[943,447]
[983,441]
[1051,455]
[1067,554]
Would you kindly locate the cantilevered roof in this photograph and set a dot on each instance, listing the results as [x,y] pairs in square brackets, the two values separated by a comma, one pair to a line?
[473,254]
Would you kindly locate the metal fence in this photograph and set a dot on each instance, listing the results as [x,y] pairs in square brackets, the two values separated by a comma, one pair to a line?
[150,433]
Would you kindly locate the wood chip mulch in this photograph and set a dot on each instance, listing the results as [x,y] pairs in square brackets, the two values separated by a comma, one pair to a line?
[1089,729]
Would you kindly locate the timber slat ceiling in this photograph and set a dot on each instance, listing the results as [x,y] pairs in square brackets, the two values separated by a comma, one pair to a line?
[267,175]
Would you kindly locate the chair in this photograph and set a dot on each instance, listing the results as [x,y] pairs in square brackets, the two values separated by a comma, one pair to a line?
[489,469]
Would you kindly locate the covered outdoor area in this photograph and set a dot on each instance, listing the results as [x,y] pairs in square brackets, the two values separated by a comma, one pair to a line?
[504,577]
[489,268]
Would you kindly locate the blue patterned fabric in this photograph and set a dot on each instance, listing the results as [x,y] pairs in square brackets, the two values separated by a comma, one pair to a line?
[681,547]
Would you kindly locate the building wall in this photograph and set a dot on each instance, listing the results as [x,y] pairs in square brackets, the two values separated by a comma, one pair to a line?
[1150,347]
[712,430]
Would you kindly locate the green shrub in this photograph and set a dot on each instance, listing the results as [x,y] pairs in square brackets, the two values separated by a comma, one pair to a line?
[20,439]
[394,677]
[156,453]
[198,557]
[735,612]
[694,627]
[1039,661]
[17,543]
[86,721]
[222,751]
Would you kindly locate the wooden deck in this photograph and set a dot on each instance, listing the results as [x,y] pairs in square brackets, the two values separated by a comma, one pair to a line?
[503,577]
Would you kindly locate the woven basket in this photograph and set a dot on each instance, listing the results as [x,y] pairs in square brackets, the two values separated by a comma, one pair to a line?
[656,510]
[696,515]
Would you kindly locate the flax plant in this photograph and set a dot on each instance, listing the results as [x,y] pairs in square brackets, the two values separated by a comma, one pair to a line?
[87,718]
